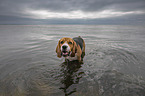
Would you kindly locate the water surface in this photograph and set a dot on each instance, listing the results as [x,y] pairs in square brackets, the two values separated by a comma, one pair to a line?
[114,64]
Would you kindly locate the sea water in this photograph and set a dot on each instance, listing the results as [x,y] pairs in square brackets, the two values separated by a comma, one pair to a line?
[114,64]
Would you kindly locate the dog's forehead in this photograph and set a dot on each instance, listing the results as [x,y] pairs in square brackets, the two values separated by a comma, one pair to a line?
[66,39]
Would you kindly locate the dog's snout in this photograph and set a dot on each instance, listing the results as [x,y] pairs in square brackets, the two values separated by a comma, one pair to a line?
[64,47]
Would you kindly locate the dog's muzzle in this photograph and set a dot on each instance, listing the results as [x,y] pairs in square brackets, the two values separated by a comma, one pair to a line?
[65,52]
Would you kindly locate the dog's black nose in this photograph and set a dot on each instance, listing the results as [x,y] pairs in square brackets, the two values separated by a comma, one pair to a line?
[64,47]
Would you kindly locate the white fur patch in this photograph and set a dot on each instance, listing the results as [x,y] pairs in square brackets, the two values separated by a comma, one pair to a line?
[66,44]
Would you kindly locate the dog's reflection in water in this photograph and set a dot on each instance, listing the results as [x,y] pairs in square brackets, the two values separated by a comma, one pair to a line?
[71,74]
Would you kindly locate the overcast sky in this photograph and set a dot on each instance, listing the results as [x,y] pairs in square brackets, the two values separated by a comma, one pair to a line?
[72,11]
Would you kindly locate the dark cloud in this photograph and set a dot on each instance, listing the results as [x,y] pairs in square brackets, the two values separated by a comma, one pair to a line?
[88,5]
[69,5]
[16,8]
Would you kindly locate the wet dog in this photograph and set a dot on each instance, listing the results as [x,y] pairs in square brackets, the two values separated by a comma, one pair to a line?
[71,48]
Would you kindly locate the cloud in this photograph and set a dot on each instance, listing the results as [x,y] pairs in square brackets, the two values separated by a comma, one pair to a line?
[44,14]
[88,5]
[70,9]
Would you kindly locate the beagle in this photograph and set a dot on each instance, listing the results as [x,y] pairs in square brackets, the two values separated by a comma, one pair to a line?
[71,48]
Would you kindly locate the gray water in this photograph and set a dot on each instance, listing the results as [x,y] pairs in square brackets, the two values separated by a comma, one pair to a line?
[114,64]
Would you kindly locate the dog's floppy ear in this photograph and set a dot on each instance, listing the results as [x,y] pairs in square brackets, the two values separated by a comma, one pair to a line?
[58,51]
[74,49]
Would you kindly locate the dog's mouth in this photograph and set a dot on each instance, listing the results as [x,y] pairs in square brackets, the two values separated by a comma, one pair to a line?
[65,53]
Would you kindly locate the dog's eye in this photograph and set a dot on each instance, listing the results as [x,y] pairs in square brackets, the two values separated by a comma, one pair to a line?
[61,42]
[69,42]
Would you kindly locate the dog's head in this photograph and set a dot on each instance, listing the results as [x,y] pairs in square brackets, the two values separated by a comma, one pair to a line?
[66,47]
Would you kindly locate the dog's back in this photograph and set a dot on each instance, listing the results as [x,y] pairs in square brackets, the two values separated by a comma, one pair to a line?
[79,41]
